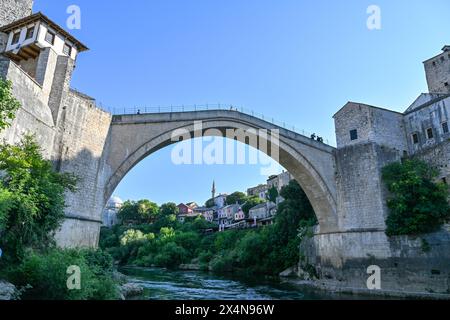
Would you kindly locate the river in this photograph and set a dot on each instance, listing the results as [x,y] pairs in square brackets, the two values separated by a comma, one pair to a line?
[162,284]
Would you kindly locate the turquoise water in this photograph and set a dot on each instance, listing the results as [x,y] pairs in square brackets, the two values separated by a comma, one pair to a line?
[162,284]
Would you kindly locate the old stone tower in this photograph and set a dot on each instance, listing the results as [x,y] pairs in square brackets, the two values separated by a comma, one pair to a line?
[39,57]
[438,72]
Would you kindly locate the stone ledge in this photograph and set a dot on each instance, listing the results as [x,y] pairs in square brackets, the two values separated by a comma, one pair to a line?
[331,286]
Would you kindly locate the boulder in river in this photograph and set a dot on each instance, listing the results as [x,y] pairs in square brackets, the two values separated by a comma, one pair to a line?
[190,266]
[289,273]
[8,291]
[130,289]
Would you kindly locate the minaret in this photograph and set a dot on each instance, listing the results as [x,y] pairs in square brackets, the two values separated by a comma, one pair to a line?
[213,191]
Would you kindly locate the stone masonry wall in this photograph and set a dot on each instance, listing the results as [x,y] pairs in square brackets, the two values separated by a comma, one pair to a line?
[76,145]
[439,157]
[352,116]
[12,10]
[422,118]
[373,124]
[34,116]
[360,190]
[409,265]
[438,73]
[84,129]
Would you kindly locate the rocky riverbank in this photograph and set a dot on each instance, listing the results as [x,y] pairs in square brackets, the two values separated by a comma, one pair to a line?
[302,279]
[8,291]
[127,289]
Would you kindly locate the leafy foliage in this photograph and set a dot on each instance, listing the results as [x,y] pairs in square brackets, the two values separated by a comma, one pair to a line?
[417,204]
[8,104]
[250,203]
[209,203]
[236,197]
[44,274]
[142,211]
[31,198]
[272,194]
[267,250]
[31,209]
[132,235]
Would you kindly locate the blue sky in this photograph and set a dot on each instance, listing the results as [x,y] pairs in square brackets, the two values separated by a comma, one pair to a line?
[296,61]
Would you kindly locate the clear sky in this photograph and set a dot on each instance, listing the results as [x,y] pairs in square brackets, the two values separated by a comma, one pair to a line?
[297,61]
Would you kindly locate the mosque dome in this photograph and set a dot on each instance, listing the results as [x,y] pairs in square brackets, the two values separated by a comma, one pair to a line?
[114,202]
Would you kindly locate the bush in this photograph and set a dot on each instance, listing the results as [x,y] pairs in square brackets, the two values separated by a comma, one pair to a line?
[416,204]
[31,198]
[46,275]
[268,250]
[133,235]
[171,255]
[8,104]
[223,262]
[249,249]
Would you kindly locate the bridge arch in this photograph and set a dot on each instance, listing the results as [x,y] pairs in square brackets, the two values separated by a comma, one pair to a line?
[134,137]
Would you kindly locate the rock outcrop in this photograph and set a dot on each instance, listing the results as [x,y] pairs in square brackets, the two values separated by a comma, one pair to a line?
[8,291]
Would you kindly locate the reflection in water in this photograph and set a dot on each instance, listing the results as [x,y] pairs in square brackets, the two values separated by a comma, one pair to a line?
[162,284]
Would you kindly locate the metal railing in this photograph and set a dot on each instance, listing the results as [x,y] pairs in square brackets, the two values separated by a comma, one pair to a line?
[209,107]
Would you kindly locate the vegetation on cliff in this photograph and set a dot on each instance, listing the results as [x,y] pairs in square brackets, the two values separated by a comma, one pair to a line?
[417,203]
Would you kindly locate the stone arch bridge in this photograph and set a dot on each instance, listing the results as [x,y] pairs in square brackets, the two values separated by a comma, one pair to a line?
[107,147]
[133,137]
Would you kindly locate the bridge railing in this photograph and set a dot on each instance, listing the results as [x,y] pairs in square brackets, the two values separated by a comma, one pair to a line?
[209,107]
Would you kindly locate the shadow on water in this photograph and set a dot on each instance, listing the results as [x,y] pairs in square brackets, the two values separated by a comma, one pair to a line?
[163,284]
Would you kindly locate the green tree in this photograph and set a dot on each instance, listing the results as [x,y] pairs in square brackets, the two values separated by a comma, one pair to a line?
[272,194]
[45,275]
[167,216]
[168,209]
[133,235]
[189,241]
[210,203]
[8,104]
[6,204]
[142,211]
[171,255]
[236,197]
[167,233]
[147,210]
[31,198]
[294,209]
[250,203]
[417,204]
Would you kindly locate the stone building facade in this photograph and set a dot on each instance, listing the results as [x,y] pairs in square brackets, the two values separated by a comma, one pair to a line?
[369,138]
[258,191]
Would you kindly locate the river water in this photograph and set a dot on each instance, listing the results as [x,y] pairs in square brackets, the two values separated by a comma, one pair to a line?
[162,284]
